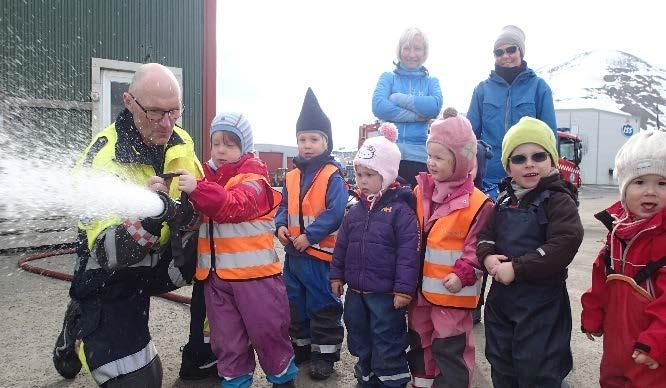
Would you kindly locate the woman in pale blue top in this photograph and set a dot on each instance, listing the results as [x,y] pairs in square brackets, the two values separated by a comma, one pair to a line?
[409,97]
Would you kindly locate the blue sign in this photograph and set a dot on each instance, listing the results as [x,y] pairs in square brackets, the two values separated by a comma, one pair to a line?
[627,130]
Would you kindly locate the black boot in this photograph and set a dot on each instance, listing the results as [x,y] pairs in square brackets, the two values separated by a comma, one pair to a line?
[65,359]
[197,364]
[321,368]
[302,354]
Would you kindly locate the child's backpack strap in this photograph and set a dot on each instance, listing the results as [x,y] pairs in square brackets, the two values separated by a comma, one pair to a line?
[608,262]
[537,203]
[649,269]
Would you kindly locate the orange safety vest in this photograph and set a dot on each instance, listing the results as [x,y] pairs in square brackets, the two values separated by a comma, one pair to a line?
[242,250]
[444,245]
[303,213]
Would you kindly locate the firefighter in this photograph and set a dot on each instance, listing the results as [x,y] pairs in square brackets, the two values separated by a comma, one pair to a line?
[122,262]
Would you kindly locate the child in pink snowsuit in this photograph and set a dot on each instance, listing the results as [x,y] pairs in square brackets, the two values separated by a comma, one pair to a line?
[451,211]
[246,299]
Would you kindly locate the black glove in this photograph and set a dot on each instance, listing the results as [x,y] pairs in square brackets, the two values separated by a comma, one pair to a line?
[169,212]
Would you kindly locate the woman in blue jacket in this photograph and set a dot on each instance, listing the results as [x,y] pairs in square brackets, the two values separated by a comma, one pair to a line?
[511,91]
[409,97]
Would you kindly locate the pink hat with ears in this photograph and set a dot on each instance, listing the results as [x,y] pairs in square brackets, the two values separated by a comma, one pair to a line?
[455,133]
[380,153]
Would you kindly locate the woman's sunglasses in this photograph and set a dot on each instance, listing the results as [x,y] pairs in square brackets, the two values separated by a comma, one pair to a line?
[536,157]
[509,50]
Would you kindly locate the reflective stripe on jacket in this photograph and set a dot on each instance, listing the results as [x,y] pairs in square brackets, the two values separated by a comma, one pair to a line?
[444,245]
[302,213]
[242,250]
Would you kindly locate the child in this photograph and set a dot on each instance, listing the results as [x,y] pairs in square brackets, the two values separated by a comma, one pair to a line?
[312,208]
[451,212]
[527,244]
[246,299]
[627,301]
[376,254]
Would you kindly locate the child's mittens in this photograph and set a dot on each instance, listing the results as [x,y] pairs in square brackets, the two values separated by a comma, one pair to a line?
[403,100]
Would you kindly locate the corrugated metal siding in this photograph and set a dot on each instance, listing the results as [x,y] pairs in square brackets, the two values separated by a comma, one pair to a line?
[46,46]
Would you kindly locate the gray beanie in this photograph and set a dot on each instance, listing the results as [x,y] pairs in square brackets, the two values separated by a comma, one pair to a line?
[237,124]
[643,154]
[511,35]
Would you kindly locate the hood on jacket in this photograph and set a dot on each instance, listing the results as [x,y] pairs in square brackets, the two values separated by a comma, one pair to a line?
[419,72]
[248,164]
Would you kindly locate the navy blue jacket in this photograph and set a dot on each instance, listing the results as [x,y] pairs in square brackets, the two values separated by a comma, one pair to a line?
[378,250]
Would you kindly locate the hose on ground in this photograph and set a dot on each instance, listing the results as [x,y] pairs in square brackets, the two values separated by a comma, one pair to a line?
[65,249]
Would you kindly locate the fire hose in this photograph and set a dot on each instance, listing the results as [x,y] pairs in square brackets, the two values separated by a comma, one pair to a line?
[69,248]
[23,264]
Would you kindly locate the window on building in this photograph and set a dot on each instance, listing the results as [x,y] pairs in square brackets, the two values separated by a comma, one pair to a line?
[110,79]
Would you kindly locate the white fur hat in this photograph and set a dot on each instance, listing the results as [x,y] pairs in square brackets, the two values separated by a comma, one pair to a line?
[643,154]
[380,153]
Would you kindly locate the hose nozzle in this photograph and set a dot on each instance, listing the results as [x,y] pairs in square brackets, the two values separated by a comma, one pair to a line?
[170,207]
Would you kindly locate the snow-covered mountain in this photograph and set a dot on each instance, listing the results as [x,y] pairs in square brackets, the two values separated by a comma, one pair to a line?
[610,80]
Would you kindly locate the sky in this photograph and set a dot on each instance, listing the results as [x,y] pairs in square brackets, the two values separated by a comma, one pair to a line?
[270,52]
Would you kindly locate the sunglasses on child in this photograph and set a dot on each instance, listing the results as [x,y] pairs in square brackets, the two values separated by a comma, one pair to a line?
[509,50]
[536,157]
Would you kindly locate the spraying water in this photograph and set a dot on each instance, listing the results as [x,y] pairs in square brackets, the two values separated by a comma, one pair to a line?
[34,188]
[37,181]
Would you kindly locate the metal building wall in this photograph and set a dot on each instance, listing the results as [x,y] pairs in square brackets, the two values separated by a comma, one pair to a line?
[46,47]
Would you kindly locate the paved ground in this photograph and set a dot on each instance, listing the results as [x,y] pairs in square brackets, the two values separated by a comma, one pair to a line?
[32,308]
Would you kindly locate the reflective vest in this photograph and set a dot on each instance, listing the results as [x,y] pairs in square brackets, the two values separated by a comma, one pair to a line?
[444,246]
[179,156]
[241,250]
[302,213]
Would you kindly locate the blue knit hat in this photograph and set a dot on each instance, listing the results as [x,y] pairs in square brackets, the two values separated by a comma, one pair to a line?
[313,119]
[237,124]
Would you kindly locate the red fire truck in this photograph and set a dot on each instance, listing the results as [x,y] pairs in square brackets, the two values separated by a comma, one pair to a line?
[569,147]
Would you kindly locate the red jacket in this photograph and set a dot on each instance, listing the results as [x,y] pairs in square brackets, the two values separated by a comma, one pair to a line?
[633,244]
[241,202]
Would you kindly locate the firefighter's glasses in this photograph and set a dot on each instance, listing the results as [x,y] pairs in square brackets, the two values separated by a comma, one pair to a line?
[157,115]
[536,157]
[509,50]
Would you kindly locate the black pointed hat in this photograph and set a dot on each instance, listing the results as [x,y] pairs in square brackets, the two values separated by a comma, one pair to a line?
[312,118]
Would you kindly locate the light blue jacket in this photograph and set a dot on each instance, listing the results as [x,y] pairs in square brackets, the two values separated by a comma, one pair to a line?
[408,98]
[496,106]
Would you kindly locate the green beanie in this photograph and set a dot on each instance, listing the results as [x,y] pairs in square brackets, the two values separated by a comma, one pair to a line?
[529,130]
